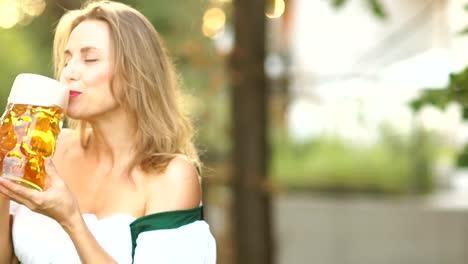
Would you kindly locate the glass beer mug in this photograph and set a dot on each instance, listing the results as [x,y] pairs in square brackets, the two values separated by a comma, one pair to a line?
[29,128]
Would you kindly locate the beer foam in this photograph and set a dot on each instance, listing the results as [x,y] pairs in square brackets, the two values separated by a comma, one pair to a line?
[34,89]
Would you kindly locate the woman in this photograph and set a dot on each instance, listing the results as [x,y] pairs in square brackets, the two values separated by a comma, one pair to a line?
[124,186]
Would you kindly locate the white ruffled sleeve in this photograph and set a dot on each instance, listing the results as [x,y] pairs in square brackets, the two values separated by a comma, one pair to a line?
[176,237]
[192,243]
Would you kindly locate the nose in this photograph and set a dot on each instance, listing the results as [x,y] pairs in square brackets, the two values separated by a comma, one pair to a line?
[70,72]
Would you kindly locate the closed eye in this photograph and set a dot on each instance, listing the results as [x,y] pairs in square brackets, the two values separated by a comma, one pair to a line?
[91,60]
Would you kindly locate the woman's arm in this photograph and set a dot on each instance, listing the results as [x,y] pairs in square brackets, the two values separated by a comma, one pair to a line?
[58,203]
[6,247]
[86,245]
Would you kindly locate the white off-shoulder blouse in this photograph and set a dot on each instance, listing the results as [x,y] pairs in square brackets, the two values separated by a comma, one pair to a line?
[175,237]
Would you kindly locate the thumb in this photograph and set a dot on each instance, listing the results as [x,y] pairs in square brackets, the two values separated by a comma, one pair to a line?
[51,171]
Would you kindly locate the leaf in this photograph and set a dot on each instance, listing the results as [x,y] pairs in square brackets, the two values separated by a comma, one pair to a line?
[377,8]
[338,3]
[436,97]
[463,32]
[458,87]
[465,113]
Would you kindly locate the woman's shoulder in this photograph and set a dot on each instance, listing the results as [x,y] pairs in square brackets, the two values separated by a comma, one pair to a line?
[177,188]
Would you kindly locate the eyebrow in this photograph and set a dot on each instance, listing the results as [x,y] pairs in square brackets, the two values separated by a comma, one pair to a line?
[82,50]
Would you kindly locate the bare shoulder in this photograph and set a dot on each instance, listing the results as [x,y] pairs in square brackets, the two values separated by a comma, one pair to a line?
[178,188]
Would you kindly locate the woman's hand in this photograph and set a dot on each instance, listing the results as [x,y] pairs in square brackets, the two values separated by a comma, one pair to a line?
[56,201]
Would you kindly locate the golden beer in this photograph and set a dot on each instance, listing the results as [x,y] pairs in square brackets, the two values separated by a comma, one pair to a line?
[29,128]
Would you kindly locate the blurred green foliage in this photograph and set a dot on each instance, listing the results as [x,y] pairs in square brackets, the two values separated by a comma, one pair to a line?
[394,165]
[439,98]
[458,87]
[465,30]
[375,6]
[455,91]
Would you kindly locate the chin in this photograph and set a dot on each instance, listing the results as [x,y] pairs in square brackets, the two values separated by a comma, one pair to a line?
[73,115]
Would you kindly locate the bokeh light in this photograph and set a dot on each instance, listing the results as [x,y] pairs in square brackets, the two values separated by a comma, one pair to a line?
[9,14]
[214,21]
[33,7]
[278,10]
[220,1]
[21,12]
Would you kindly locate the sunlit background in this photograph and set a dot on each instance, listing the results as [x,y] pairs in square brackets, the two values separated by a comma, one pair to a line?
[19,12]
[368,157]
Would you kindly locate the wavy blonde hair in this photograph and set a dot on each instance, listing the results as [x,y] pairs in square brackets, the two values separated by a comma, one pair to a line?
[149,87]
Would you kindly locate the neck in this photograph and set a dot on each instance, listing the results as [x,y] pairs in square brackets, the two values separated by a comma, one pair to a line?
[112,140]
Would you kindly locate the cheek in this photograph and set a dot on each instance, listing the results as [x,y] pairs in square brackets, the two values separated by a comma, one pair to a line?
[98,78]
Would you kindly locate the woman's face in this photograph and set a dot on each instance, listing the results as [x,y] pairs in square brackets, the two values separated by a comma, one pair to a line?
[87,71]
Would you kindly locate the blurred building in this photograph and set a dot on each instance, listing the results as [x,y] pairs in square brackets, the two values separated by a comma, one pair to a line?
[350,71]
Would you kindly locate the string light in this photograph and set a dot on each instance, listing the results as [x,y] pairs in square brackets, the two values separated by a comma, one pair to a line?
[14,12]
[214,21]
[278,10]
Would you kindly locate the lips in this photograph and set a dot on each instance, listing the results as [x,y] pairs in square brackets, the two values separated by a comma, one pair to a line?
[74,93]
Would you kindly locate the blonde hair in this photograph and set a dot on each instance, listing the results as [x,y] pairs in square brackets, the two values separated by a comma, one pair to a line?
[149,85]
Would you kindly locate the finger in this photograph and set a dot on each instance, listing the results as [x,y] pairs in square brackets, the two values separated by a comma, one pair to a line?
[51,171]
[50,168]
[13,196]
[17,189]
[17,192]
[4,191]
